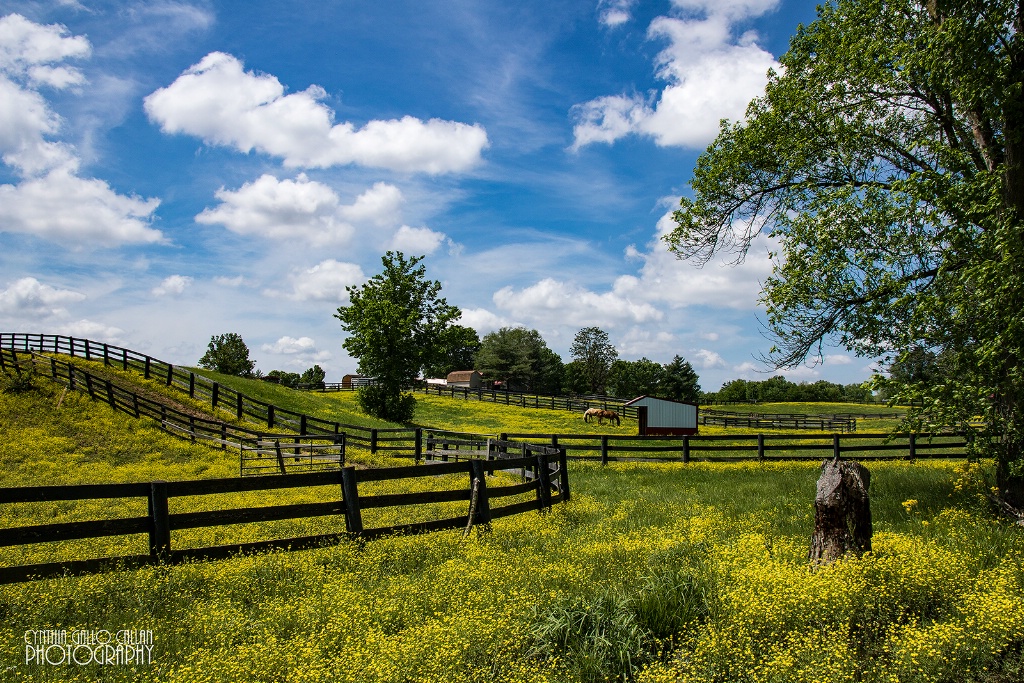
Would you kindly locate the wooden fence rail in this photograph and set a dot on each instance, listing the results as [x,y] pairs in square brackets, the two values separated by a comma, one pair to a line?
[398,441]
[306,452]
[769,421]
[761,447]
[403,442]
[572,404]
[159,523]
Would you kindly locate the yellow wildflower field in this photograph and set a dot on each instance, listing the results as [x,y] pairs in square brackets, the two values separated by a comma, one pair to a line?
[652,572]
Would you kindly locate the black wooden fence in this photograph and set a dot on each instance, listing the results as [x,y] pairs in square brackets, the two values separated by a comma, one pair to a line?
[830,423]
[761,447]
[549,487]
[260,451]
[396,441]
[409,442]
[577,404]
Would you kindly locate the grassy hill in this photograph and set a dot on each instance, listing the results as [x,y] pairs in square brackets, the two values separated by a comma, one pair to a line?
[653,572]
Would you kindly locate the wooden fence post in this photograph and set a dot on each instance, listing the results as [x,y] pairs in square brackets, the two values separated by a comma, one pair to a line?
[191,385]
[760,447]
[149,362]
[270,416]
[106,354]
[88,385]
[478,484]
[686,448]
[238,405]
[350,497]
[170,374]
[373,441]
[835,446]
[124,359]
[302,424]
[214,394]
[418,445]
[604,450]
[563,474]
[280,458]
[71,376]
[543,482]
[913,446]
[159,523]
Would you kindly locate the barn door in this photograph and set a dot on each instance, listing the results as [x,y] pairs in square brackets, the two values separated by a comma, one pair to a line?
[641,418]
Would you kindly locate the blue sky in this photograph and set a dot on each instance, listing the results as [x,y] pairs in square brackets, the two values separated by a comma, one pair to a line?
[175,170]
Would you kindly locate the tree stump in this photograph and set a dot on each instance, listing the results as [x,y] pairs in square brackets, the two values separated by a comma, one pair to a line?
[842,511]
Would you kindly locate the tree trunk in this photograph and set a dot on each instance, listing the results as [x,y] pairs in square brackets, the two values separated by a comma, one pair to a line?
[842,511]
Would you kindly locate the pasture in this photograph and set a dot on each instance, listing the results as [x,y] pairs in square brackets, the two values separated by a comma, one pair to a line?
[652,572]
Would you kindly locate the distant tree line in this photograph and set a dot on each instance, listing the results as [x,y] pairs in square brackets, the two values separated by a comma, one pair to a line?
[778,389]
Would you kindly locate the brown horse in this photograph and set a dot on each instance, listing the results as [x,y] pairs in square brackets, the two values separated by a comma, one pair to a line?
[601,415]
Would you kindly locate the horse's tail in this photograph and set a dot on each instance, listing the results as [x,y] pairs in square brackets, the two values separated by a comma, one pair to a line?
[586,417]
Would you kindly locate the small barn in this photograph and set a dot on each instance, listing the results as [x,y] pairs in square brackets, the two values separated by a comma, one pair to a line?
[470,379]
[355,381]
[664,417]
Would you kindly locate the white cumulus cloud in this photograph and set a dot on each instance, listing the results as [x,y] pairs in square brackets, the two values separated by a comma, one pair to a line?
[326,281]
[172,285]
[614,13]
[30,298]
[417,240]
[553,302]
[290,345]
[709,359]
[220,102]
[664,278]
[300,209]
[711,74]
[65,207]
[53,201]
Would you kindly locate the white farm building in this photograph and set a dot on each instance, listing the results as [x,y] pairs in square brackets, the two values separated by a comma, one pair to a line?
[664,417]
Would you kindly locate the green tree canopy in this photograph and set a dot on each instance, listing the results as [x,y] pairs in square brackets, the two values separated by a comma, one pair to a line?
[228,354]
[680,381]
[456,350]
[520,359]
[886,161]
[394,322]
[313,376]
[595,354]
[630,379]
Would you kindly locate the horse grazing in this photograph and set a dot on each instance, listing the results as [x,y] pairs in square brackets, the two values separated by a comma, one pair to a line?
[601,415]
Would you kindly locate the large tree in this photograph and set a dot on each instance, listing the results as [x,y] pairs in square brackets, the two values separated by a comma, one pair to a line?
[680,381]
[229,354]
[520,359]
[394,323]
[886,161]
[595,355]
[456,350]
[630,379]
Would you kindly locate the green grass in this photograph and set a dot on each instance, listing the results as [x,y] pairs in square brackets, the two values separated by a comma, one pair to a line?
[653,572]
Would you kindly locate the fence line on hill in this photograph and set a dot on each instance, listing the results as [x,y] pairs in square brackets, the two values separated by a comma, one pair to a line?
[550,485]
[268,449]
[394,440]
